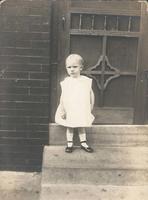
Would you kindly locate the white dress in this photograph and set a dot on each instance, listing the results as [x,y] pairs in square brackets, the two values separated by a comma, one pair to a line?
[76,103]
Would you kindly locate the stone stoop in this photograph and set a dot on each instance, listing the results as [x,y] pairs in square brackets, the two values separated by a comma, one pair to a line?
[117,170]
[93,192]
[108,135]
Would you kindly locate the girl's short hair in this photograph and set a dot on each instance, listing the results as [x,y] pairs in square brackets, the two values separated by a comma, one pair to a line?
[74,58]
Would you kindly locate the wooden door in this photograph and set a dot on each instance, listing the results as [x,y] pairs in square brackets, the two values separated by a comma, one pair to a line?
[107,36]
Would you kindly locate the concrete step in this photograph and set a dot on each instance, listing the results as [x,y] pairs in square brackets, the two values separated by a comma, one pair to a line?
[106,166]
[92,192]
[104,135]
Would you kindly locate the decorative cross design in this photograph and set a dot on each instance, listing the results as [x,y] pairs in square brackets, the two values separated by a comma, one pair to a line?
[104,70]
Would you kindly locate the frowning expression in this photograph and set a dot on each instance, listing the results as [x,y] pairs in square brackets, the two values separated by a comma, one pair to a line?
[74,70]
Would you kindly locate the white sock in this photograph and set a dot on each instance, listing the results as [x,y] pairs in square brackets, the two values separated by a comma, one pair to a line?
[69,136]
[69,144]
[82,136]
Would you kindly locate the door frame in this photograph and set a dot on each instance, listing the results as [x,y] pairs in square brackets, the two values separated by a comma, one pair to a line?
[61,16]
[141,88]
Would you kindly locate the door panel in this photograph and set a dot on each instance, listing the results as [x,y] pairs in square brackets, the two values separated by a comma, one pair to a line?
[88,44]
[121,91]
[122,52]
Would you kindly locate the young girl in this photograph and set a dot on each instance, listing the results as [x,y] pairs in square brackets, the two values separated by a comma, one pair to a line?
[76,103]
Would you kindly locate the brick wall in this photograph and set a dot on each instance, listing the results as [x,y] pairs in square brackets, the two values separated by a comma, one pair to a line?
[24,83]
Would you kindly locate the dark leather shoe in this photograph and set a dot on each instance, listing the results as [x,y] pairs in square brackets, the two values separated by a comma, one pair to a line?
[87,149]
[69,149]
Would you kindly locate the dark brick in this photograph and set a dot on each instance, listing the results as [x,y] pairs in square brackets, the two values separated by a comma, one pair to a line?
[31,105]
[32,83]
[24,126]
[23,105]
[26,9]
[21,36]
[13,90]
[32,19]
[19,159]
[40,43]
[18,154]
[8,105]
[36,75]
[6,112]
[13,35]
[24,59]
[39,91]
[23,83]
[23,51]
[21,43]
[14,59]
[29,141]
[37,27]
[40,120]
[22,119]
[15,10]
[6,83]
[13,120]
[22,67]
[21,168]
[24,134]
[20,148]
[8,42]
[39,60]
[16,75]
[45,68]
[24,98]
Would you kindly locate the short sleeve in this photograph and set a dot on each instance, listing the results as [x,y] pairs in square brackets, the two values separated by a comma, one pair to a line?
[89,82]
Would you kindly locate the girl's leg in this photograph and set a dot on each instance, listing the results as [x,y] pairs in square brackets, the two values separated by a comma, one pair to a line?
[82,136]
[69,136]
[83,140]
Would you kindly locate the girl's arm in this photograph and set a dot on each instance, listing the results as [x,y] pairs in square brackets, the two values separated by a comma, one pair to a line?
[92,99]
[62,109]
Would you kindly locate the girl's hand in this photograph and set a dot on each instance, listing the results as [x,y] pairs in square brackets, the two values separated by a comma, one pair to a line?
[62,110]
[63,115]
[92,99]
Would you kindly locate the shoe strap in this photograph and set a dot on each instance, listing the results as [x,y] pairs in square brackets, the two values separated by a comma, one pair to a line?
[83,141]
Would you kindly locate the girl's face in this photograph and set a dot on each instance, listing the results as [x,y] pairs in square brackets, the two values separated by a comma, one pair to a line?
[74,70]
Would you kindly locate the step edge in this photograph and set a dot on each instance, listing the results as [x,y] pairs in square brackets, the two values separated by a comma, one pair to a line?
[110,125]
[93,185]
[91,167]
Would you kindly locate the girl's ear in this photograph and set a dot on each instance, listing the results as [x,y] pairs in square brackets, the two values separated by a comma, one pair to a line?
[81,68]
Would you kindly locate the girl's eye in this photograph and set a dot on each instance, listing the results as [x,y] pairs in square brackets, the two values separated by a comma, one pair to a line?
[69,67]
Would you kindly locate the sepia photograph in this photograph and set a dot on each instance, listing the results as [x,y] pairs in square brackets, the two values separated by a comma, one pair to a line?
[73,99]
